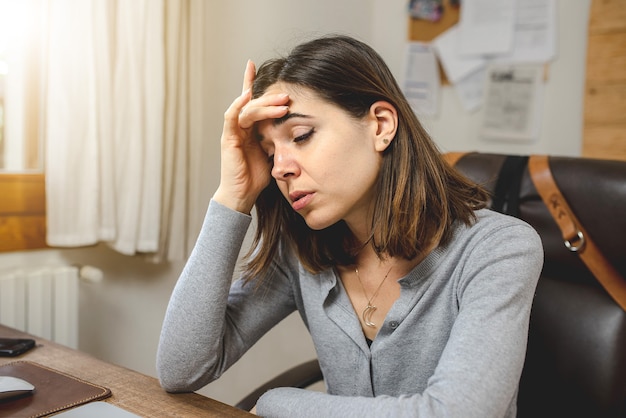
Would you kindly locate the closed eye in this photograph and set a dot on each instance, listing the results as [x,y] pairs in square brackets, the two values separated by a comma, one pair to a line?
[305,136]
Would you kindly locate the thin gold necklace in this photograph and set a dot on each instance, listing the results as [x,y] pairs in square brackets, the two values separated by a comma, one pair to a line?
[370,309]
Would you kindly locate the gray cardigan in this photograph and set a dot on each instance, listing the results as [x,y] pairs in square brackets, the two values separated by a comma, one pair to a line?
[452,345]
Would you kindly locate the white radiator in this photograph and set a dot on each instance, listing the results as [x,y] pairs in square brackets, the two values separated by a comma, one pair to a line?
[42,301]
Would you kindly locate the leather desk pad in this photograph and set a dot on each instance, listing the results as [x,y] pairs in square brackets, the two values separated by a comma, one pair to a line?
[54,391]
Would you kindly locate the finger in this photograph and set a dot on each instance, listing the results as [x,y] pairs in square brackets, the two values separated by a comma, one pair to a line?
[239,110]
[270,106]
[249,116]
[252,106]
[248,77]
[231,115]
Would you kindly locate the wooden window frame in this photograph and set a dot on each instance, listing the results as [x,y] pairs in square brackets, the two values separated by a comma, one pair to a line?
[22,212]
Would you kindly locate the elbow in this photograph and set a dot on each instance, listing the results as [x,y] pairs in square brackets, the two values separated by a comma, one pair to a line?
[179,370]
[170,382]
[171,378]
[173,383]
[181,378]
[169,387]
[172,387]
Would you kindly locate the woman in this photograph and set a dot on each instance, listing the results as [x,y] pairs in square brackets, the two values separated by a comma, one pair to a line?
[417,297]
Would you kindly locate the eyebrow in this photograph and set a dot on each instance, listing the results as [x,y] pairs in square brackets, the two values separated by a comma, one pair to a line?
[281,120]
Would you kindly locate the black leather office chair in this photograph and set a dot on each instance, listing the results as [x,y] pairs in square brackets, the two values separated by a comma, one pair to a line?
[576,359]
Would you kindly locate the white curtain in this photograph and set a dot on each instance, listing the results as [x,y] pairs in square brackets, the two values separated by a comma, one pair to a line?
[122,123]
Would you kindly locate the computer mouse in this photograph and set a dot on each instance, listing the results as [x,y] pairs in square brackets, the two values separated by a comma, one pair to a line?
[11,387]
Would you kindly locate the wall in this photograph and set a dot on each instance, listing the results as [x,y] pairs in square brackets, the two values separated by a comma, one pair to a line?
[121,316]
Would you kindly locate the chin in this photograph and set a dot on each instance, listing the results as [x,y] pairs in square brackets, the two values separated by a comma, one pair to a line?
[317,224]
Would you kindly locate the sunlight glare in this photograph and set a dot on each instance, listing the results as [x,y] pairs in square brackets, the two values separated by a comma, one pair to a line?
[13,24]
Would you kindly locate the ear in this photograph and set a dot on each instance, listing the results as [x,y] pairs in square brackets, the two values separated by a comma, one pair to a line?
[385,117]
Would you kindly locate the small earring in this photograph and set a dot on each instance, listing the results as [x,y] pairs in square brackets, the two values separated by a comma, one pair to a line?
[386,141]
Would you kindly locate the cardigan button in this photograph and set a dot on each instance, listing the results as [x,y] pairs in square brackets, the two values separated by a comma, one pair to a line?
[394,324]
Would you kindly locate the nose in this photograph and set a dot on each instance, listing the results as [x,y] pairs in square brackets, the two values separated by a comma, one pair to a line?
[285,165]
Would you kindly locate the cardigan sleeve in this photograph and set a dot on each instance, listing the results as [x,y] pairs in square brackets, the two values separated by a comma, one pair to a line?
[210,321]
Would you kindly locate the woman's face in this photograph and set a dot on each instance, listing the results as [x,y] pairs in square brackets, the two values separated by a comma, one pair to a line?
[325,162]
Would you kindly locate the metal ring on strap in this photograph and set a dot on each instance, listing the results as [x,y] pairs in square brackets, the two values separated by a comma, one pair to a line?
[581,241]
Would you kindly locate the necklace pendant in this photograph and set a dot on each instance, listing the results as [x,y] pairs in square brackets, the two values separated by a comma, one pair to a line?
[369,310]
[367,315]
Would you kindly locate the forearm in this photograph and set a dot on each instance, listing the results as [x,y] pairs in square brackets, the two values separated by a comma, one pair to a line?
[196,314]
[290,402]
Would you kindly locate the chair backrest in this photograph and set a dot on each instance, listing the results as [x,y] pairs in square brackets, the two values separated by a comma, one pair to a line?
[576,359]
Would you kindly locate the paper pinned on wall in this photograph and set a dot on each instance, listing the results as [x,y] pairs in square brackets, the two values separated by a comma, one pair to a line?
[535,32]
[470,90]
[455,65]
[486,27]
[528,29]
[422,82]
[513,102]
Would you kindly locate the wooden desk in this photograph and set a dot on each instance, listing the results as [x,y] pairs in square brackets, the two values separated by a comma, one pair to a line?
[131,390]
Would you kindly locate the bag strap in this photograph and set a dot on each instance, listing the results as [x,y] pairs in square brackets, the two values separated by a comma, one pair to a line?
[507,191]
[453,157]
[575,237]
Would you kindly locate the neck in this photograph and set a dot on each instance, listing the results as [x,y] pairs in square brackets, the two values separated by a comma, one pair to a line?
[368,259]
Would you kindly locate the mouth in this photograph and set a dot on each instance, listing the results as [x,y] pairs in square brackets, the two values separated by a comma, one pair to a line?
[300,199]
[295,196]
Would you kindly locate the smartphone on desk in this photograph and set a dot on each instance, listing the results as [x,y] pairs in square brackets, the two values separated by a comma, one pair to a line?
[11,347]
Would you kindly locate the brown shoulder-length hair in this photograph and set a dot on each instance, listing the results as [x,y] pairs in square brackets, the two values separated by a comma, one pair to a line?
[418,196]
